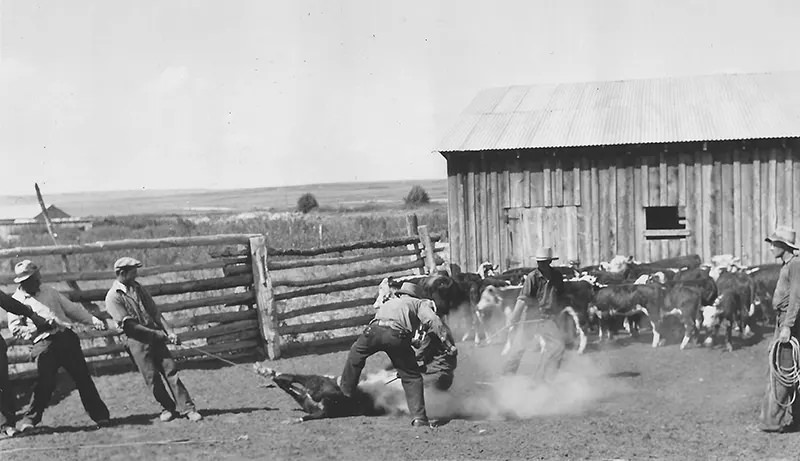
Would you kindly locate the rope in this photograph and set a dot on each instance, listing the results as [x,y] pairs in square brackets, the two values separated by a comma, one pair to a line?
[785,376]
[513,325]
[108,445]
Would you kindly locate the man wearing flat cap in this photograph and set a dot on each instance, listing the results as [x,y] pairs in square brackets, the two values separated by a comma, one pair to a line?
[777,409]
[56,348]
[148,334]
[391,331]
[7,413]
[538,304]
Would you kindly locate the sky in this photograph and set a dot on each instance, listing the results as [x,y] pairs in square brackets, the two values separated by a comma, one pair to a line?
[196,94]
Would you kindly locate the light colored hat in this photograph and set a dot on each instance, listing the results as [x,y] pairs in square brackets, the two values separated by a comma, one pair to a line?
[411,289]
[126,261]
[783,234]
[24,269]
[545,254]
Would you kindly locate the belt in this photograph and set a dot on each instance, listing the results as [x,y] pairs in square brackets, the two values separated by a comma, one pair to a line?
[390,324]
[384,323]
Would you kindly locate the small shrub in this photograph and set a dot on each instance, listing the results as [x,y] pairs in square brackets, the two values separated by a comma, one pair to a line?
[307,202]
[417,196]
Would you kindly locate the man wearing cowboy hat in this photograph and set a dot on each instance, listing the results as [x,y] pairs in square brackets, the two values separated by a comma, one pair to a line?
[55,348]
[540,291]
[391,331]
[7,413]
[132,307]
[777,415]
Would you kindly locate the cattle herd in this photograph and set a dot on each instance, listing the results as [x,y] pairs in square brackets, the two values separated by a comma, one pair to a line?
[623,293]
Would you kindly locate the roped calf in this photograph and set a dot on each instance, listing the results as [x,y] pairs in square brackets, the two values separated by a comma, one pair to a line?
[628,300]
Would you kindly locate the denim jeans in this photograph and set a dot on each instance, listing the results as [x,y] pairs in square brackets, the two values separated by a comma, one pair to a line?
[160,373]
[397,346]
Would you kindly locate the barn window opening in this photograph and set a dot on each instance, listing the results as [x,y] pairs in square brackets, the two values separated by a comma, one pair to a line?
[665,222]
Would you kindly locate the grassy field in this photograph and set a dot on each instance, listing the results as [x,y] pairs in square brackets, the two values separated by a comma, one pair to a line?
[364,196]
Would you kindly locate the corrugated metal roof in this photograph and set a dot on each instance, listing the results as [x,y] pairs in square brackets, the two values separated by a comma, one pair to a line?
[705,108]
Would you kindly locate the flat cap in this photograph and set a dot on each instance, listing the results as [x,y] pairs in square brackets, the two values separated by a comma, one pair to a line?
[126,262]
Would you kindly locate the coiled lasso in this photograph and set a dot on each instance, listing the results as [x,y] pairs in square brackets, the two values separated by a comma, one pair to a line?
[785,376]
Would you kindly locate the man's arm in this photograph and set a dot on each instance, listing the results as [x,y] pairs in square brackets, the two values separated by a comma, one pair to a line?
[75,311]
[433,323]
[150,305]
[130,325]
[15,307]
[793,308]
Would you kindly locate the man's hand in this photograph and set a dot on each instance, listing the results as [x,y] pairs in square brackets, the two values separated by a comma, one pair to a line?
[98,324]
[784,335]
[174,339]
[452,350]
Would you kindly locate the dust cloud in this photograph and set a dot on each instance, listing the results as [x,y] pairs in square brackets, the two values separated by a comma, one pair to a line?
[580,384]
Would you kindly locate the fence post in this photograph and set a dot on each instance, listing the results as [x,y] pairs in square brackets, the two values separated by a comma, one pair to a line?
[411,225]
[265,301]
[427,245]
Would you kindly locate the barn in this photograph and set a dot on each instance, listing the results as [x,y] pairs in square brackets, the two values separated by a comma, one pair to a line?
[652,168]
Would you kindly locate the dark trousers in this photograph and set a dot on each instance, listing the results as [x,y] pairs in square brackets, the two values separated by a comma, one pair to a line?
[62,349]
[397,346]
[160,374]
[7,404]
[552,352]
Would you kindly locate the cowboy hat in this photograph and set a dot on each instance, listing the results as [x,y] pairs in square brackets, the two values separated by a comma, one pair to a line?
[545,254]
[783,234]
[410,289]
[24,269]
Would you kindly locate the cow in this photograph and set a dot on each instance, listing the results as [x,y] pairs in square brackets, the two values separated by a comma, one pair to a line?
[482,303]
[725,312]
[628,300]
[765,278]
[742,305]
[698,277]
[683,301]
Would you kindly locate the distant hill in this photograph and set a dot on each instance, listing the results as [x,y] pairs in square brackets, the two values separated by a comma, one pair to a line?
[387,194]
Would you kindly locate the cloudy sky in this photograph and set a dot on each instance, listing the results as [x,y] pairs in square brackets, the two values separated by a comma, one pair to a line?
[177,94]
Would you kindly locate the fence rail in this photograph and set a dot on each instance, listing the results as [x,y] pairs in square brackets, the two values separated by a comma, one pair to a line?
[265,300]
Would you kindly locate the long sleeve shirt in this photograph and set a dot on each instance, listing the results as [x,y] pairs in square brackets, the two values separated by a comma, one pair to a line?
[50,304]
[408,314]
[432,353]
[786,298]
[132,307]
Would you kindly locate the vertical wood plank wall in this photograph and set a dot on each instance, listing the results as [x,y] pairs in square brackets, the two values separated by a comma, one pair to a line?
[732,193]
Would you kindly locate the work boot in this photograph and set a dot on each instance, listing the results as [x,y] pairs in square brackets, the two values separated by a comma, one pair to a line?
[25,425]
[421,422]
[8,431]
[166,416]
[194,416]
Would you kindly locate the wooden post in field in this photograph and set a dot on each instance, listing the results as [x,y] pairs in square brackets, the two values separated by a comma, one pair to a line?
[427,245]
[265,301]
[411,225]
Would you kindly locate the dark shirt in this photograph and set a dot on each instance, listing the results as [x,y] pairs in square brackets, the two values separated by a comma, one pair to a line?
[786,298]
[543,288]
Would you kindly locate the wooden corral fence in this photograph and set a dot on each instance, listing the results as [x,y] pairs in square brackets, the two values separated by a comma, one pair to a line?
[278,301]
[320,298]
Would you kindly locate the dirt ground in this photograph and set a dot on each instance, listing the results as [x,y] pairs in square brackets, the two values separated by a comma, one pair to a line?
[620,400]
